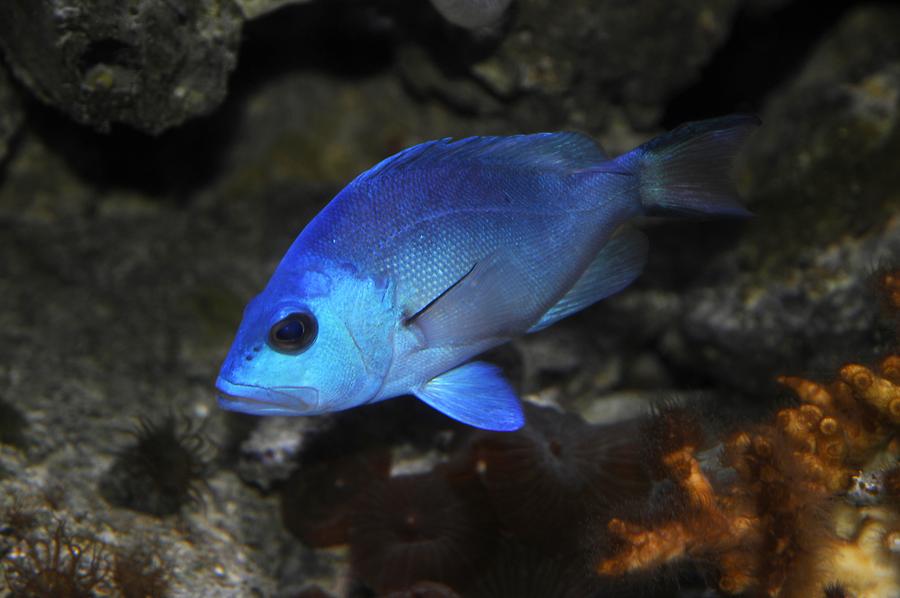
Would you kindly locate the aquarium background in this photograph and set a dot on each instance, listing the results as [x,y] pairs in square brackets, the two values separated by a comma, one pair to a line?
[156,160]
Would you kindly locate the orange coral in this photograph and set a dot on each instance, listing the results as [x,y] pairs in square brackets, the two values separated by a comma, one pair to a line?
[773,530]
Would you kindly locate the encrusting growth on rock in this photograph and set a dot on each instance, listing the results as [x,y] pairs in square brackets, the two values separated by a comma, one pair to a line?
[784,524]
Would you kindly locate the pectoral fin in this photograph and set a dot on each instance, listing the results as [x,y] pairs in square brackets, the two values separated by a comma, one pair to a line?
[475,394]
[492,300]
[619,262]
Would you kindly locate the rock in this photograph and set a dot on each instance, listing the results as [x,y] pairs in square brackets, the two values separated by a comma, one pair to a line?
[271,453]
[82,388]
[797,292]
[116,303]
[472,14]
[123,280]
[258,8]
[11,113]
[149,64]
[337,129]
[565,63]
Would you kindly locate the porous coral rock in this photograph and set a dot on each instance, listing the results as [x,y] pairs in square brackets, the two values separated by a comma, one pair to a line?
[473,14]
[822,180]
[147,63]
[11,113]
[258,8]
[567,62]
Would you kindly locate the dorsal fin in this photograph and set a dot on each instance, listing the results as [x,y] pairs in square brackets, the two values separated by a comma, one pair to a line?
[563,151]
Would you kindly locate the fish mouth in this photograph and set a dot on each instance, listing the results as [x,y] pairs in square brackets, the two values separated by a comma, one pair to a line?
[271,400]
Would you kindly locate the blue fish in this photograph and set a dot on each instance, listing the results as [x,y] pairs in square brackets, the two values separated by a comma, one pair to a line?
[450,248]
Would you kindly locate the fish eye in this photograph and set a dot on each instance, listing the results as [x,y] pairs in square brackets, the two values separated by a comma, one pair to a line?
[293,333]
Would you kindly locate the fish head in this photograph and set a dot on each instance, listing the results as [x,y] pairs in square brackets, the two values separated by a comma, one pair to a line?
[312,342]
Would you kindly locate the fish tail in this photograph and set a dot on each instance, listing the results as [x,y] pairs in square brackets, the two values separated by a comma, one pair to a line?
[688,171]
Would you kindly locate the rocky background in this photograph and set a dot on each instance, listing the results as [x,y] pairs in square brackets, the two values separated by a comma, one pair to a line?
[157,158]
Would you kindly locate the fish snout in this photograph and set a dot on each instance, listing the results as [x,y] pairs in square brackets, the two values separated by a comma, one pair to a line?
[260,400]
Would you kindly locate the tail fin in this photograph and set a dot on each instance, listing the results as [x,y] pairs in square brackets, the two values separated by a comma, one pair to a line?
[688,170]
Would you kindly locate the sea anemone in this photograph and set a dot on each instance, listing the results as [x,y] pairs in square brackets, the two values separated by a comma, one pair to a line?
[19,516]
[425,589]
[318,499]
[524,571]
[544,480]
[141,571]
[415,528]
[59,565]
[163,470]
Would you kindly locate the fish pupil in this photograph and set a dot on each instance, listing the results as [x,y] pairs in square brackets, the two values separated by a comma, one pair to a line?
[290,331]
[293,333]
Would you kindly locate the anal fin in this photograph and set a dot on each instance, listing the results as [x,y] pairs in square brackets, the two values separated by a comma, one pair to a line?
[616,266]
[475,394]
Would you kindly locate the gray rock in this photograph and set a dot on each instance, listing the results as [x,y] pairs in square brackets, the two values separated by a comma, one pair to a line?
[271,453]
[257,8]
[150,64]
[115,304]
[822,178]
[11,113]
[565,63]
[111,310]
[472,14]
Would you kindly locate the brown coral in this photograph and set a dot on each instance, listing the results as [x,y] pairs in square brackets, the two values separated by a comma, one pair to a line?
[772,531]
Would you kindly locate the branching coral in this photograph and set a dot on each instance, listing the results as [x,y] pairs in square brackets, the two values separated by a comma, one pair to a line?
[779,528]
